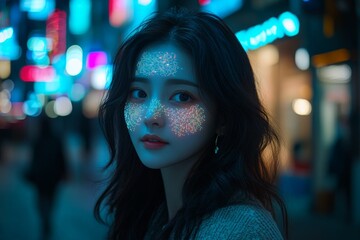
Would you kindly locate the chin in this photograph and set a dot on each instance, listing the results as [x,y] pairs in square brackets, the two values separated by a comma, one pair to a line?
[153,164]
[156,164]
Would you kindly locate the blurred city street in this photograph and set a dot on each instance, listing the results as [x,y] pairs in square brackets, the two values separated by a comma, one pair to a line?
[56,64]
[305,224]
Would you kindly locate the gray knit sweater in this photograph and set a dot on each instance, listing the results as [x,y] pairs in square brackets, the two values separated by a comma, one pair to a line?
[246,222]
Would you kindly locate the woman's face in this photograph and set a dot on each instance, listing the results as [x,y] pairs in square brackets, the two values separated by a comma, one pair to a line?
[167,120]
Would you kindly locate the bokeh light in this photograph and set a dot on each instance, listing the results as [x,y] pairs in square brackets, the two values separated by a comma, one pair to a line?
[301,106]
[101,77]
[302,59]
[77,92]
[49,109]
[5,69]
[74,60]
[63,106]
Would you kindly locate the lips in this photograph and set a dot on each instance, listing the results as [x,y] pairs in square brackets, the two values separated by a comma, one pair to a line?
[153,142]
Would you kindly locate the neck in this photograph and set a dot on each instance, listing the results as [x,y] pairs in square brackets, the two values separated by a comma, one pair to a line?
[174,177]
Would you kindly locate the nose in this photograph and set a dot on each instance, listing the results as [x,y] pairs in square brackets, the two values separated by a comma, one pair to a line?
[155,116]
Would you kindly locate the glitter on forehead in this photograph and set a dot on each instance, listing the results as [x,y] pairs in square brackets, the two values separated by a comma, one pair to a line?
[157,63]
[186,121]
[155,109]
[133,113]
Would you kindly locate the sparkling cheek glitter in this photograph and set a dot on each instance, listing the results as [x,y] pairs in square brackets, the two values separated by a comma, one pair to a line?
[186,121]
[133,113]
[157,63]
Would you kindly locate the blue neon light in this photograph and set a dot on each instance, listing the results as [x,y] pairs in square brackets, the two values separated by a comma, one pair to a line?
[80,15]
[141,12]
[9,48]
[38,9]
[272,29]
[222,8]
[60,85]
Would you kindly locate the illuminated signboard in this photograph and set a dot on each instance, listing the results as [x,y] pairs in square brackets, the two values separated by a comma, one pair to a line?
[272,29]
[56,32]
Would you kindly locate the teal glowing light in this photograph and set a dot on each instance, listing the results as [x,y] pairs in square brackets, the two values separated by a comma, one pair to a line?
[77,92]
[272,29]
[38,46]
[32,106]
[32,5]
[9,48]
[6,33]
[60,85]
[290,23]
[141,11]
[220,7]
[38,43]
[79,18]
[38,9]
[144,2]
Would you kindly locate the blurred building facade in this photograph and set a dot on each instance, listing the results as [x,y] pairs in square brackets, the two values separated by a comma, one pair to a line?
[55,58]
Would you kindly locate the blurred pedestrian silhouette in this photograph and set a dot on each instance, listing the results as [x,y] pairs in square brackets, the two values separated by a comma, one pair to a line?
[301,157]
[19,218]
[340,163]
[48,169]
[72,217]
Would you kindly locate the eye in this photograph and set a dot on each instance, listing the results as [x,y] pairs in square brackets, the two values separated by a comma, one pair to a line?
[182,97]
[137,94]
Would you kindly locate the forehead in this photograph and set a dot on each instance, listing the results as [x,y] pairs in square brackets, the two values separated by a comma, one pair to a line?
[164,60]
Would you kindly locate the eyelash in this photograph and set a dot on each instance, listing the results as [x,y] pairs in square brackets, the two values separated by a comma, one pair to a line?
[132,91]
[190,96]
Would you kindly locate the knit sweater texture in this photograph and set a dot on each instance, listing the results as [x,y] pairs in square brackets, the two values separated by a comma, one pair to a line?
[238,222]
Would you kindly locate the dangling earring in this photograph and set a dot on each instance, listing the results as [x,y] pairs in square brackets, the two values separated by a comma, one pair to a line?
[216,146]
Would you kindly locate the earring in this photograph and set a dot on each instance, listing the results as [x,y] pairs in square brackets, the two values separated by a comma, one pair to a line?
[216,150]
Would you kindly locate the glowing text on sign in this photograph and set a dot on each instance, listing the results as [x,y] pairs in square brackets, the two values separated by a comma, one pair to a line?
[272,29]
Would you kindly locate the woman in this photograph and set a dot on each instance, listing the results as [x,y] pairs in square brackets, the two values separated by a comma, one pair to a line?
[187,132]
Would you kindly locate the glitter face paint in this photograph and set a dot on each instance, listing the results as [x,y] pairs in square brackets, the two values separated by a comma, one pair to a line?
[183,121]
[157,63]
[186,121]
[156,107]
[133,113]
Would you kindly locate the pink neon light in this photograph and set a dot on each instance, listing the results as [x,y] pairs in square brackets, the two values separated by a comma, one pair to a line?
[32,73]
[95,59]
[204,2]
[118,12]
[56,31]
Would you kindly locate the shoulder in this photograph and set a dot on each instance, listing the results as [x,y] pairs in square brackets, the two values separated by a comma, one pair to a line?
[239,222]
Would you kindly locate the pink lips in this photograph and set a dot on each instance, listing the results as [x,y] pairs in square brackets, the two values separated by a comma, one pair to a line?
[153,142]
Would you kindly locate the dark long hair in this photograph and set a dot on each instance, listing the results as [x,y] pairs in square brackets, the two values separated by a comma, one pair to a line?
[224,73]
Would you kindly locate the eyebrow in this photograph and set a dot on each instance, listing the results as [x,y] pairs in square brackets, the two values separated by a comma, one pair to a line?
[171,81]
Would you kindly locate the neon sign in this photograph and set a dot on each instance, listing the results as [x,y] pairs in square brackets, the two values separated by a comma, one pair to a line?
[272,29]
[56,32]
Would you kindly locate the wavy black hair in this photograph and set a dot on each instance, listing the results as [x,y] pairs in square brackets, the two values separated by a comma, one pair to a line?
[224,73]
